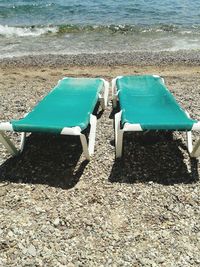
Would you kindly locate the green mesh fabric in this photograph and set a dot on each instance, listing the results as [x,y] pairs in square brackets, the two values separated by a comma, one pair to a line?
[69,104]
[145,100]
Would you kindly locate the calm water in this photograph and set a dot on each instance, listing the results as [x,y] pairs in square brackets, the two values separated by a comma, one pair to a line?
[63,26]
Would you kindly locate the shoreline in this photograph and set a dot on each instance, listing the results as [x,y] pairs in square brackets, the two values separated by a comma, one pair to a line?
[189,58]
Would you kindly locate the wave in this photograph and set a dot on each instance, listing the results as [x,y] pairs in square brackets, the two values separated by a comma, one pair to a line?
[35,31]
[8,31]
[121,28]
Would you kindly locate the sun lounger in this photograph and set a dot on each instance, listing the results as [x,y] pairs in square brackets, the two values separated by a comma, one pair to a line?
[66,110]
[146,104]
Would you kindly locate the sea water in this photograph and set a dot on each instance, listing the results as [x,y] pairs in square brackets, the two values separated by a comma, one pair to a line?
[72,27]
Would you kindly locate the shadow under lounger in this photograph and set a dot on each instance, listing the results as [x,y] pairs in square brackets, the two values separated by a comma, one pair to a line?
[66,110]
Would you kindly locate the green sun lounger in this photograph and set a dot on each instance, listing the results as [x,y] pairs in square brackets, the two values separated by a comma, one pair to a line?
[66,110]
[146,104]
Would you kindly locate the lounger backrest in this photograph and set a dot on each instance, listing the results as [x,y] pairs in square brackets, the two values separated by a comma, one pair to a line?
[145,100]
[144,90]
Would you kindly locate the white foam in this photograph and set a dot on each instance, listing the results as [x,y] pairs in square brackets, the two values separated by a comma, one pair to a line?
[9,31]
[185,44]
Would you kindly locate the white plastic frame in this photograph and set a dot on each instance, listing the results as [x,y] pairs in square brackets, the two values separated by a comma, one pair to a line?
[194,151]
[88,148]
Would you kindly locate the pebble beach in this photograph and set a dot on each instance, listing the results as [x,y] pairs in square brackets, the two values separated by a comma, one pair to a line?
[56,209]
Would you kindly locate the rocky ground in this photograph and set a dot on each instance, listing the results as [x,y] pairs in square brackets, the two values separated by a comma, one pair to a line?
[189,57]
[56,209]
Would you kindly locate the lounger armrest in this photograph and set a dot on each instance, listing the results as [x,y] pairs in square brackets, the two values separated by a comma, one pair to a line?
[71,131]
[196,126]
[136,127]
[6,126]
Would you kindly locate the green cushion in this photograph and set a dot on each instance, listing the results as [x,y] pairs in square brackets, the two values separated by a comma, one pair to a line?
[145,100]
[69,104]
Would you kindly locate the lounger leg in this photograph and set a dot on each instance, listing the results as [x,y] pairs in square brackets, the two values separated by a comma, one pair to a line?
[104,99]
[114,101]
[189,141]
[22,143]
[119,144]
[196,150]
[85,146]
[4,139]
[118,135]
[88,149]
[92,134]
[114,96]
